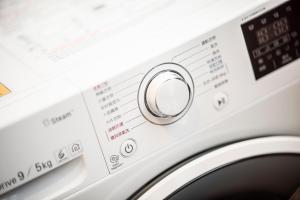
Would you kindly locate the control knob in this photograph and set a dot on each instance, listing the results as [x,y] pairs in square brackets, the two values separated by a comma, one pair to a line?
[167,94]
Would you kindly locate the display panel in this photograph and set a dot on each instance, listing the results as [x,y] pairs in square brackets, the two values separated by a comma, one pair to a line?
[272,31]
[272,39]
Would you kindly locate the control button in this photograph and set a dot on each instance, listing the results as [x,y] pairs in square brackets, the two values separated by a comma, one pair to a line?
[75,149]
[128,148]
[61,155]
[220,101]
[167,94]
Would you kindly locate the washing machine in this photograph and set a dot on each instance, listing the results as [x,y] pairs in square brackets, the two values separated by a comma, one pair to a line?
[154,99]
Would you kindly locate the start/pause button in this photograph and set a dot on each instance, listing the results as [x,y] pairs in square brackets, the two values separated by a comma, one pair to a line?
[128,148]
[220,101]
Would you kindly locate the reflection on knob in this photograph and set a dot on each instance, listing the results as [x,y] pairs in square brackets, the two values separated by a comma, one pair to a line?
[167,94]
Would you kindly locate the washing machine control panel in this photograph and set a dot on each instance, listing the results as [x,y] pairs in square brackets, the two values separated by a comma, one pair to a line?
[202,82]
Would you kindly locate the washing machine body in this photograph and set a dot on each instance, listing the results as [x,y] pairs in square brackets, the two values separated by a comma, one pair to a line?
[199,100]
[222,148]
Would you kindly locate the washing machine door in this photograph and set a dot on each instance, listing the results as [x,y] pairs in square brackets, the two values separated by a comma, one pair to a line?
[261,169]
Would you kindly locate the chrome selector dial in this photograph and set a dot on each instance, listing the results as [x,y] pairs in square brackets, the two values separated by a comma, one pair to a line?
[167,94]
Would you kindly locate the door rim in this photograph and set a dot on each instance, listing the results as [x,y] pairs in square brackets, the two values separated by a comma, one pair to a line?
[219,158]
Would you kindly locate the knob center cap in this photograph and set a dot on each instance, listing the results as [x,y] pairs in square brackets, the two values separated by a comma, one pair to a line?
[172,97]
[167,95]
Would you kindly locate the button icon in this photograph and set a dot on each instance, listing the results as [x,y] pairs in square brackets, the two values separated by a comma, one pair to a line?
[251,27]
[288,9]
[114,159]
[276,15]
[263,21]
[128,148]
[61,155]
[75,148]
[46,122]
[262,68]
[220,101]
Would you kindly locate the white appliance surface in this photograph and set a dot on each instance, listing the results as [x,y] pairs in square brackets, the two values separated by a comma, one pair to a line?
[75,118]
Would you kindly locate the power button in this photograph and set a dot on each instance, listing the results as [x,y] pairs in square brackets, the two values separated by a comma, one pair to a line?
[128,148]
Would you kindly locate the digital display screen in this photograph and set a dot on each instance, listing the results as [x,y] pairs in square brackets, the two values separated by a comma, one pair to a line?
[272,39]
[271,31]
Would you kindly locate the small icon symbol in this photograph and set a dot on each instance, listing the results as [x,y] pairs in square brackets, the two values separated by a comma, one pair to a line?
[276,15]
[261,61]
[263,20]
[220,101]
[285,56]
[75,148]
[288,8]
[129,148]
[114,159]
[251,27]
[46,122]
[61,154]
[262,68]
